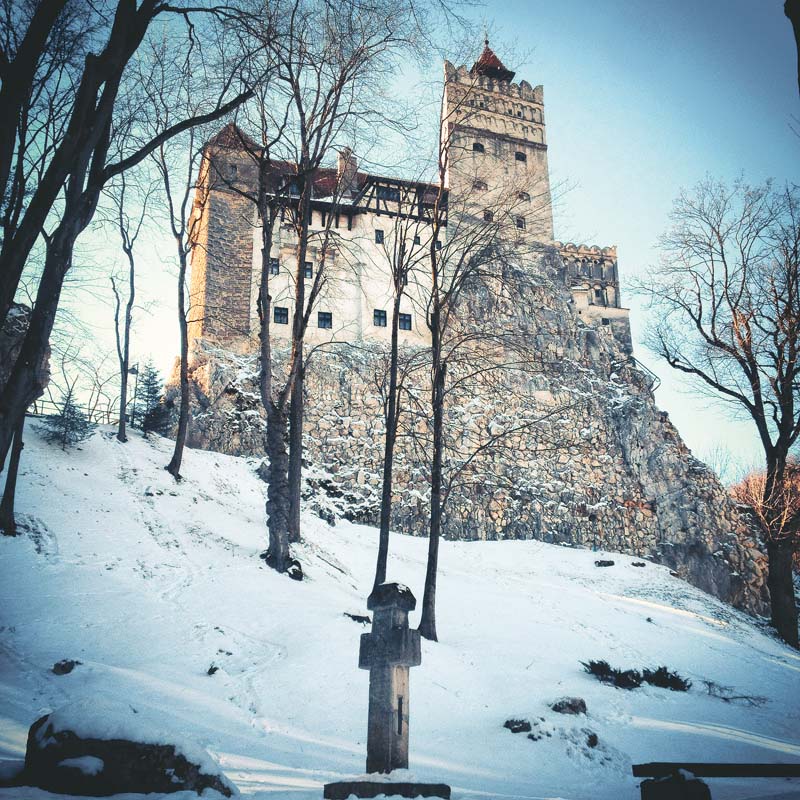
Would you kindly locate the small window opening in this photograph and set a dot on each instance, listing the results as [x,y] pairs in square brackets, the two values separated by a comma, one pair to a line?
[324,319]
[438,245]
[606,321]
[400,715]
[280,315]
[404,322]
[488,216]
[477,147]
[519,156]
[480,186]
[521,223]
[524,196]
[378,236]
[274,266]
[308,270]
[379,318]
[417,240]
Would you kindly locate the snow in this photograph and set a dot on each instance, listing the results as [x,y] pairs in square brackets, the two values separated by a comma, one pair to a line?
[88,765]
[148,583]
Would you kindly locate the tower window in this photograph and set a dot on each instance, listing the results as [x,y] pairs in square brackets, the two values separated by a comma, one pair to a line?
[520,223]
[379,318]
[477,147]
[378,236]
[280,315]
[524,196]
[488,216]
[480,186]
[274,266]
[308,270]
[519,113]
[417,240]
[400,715]
[324,319]
[438,245]
[520,156]
[404,322]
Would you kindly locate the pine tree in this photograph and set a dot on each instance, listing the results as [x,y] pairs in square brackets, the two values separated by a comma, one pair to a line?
[69,426]
[151,411]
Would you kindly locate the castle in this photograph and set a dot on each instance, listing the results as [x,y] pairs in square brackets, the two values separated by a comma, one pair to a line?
[495,133]
[618,476]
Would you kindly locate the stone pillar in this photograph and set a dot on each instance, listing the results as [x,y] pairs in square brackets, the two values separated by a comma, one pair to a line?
[388,652]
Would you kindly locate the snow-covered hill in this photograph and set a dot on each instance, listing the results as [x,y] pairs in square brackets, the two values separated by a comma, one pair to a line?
[150,583]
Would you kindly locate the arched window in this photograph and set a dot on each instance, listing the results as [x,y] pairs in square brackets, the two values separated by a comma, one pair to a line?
[520,156]
[520,223]
[477,147]
[524,196]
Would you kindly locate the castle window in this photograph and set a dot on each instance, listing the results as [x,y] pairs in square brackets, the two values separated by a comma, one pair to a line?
[379,318]
[520,156]
[324,319]
[598,296]
[378,236]
[519,113]
[274,266]
[417,240]
[524,196]
[389,193]
[438,245]
[404,322]
[477,147]
[480,186]
[280,315]
[308,270]
[488,216]
[520,223]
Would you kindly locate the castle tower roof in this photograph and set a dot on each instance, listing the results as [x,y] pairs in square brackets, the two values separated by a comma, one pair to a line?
[490,66]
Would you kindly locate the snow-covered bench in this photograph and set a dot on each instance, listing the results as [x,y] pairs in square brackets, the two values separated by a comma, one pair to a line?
[677,780]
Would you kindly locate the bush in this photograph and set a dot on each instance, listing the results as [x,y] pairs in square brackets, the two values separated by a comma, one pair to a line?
[662,677]
[604,672]
[666,679]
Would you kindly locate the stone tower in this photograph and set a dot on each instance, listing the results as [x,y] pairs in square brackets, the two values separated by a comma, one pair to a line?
[493,136]
[222,242]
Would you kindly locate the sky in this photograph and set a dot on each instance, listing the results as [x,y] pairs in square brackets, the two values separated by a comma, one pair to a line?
[641,99]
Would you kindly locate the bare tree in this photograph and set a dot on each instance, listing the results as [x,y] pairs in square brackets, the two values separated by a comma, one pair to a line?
[471,242]
[727,306]
[85,158]
[129,229]
[327,67]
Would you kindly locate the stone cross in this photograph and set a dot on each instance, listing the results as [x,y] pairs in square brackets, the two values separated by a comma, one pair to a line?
[388,652]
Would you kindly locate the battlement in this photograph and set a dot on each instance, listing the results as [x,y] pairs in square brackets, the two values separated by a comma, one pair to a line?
[522,90]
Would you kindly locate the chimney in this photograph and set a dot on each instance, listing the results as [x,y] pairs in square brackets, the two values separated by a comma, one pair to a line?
[346,169]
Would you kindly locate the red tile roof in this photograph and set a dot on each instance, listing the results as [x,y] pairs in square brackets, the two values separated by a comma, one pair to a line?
[489,65]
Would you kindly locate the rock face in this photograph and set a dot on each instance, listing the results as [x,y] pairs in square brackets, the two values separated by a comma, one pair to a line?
[565,444]
[61,761]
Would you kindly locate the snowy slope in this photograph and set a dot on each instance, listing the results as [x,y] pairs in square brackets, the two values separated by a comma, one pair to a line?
[149,583]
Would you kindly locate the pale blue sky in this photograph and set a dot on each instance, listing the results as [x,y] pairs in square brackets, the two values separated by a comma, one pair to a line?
[641,98]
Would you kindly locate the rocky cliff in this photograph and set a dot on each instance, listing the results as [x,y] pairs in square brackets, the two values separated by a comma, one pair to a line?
[553,434]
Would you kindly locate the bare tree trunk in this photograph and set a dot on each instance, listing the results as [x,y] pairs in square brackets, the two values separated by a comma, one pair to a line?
[781,590]
[24,383]
[780,553]
[388,450]
[174,466]
[277,488]
[296,450]
[8,525]
[427,624]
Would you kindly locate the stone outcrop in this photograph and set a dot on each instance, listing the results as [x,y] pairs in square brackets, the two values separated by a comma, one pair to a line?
[62,761]
[567,447]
